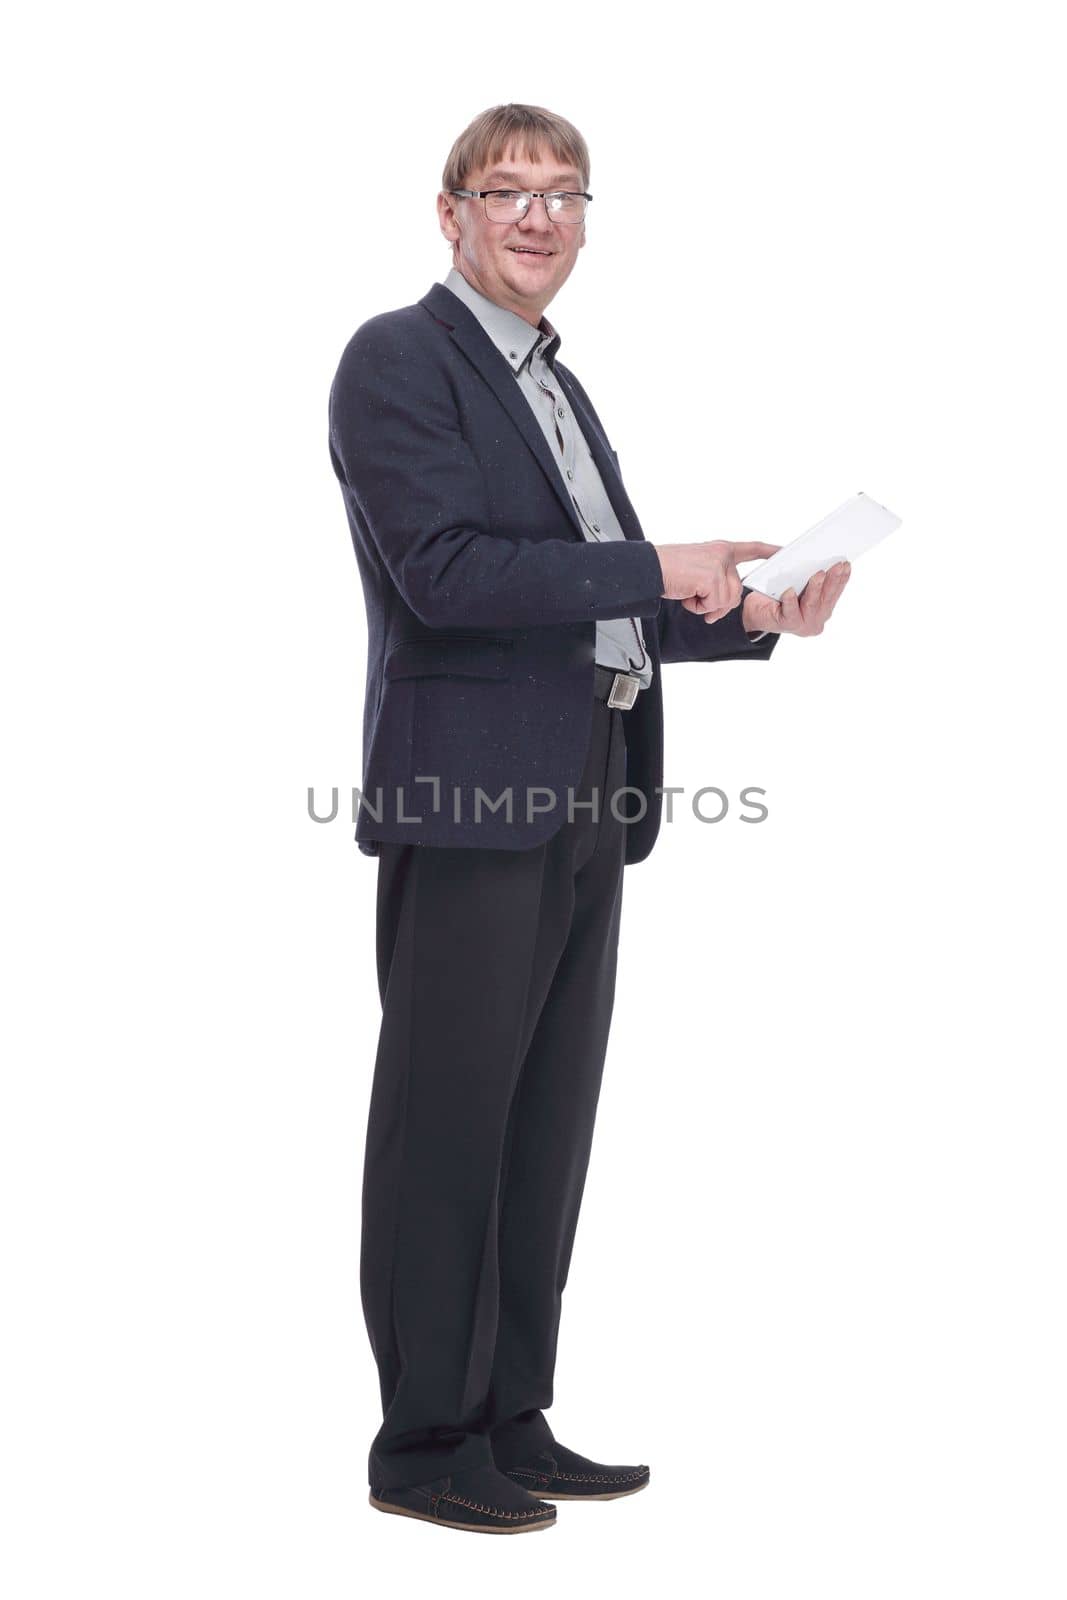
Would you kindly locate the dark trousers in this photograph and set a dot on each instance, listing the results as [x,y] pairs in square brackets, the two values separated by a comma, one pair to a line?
[496,970]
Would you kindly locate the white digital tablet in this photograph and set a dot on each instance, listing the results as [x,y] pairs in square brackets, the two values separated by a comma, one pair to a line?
[842,536]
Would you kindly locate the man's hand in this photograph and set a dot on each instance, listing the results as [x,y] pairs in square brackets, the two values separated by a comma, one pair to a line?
[806,614]
[704,576]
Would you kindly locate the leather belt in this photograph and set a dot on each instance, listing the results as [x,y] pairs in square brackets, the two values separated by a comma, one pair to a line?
[619,689]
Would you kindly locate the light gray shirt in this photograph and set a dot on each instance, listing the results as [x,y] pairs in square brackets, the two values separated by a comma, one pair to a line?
[529,352]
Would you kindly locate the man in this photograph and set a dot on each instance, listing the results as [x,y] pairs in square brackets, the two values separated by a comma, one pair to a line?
[517,623]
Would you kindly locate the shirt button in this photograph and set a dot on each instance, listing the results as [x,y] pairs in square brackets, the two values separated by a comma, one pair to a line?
[570,474]
[596,527]
[560,411]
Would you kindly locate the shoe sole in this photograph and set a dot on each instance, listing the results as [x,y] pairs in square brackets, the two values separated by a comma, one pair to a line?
[464,1527]
[614,1494]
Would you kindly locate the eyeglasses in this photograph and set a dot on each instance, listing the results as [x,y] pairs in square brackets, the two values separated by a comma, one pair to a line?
[511,205]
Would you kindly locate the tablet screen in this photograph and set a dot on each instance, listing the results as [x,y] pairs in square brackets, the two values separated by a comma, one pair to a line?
[842,536]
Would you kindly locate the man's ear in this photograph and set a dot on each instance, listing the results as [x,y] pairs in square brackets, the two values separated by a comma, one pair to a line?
[446,216]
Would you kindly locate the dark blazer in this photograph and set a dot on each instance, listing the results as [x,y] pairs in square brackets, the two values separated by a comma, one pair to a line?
[482,594]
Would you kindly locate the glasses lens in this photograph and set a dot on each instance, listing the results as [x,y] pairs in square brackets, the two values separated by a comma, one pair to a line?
[566,207]
[509,205]
[506,205]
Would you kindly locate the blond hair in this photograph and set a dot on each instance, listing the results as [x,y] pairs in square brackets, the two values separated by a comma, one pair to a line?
[526,129]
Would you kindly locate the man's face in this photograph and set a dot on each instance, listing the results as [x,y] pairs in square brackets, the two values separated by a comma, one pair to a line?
[523,264]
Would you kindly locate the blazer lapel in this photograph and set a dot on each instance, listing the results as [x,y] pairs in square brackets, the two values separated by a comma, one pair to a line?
[482,353]
[480,350]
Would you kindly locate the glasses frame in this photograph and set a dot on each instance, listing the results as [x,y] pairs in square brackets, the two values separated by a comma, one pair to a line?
[532,195]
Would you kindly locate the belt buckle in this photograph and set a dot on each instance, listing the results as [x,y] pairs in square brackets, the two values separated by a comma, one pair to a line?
[623,691]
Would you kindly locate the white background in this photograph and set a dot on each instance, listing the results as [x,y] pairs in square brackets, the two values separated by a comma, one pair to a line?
[818,1279]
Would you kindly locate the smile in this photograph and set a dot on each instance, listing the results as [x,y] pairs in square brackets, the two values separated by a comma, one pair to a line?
[528,250]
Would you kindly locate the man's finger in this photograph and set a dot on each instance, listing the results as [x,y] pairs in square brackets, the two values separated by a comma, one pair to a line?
[710,600]
[752,551]
[832,590]
[810,596]
[835,582]
[791,617]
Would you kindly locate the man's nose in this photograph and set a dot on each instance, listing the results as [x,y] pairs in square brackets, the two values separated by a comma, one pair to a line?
[537,212]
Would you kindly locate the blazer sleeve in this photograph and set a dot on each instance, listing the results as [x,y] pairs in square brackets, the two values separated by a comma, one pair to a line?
[683,636]
[397,444]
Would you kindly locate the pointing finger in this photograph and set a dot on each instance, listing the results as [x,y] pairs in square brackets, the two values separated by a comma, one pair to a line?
[753,550]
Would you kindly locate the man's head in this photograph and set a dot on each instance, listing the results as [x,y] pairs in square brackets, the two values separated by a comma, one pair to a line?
[519,263]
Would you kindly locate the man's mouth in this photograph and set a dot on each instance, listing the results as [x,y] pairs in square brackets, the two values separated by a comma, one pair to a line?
[528,250]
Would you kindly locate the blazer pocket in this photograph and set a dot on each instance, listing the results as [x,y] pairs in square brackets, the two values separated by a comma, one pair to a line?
[460,656]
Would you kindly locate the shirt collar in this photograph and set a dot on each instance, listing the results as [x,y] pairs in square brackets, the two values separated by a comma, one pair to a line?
[512,334]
